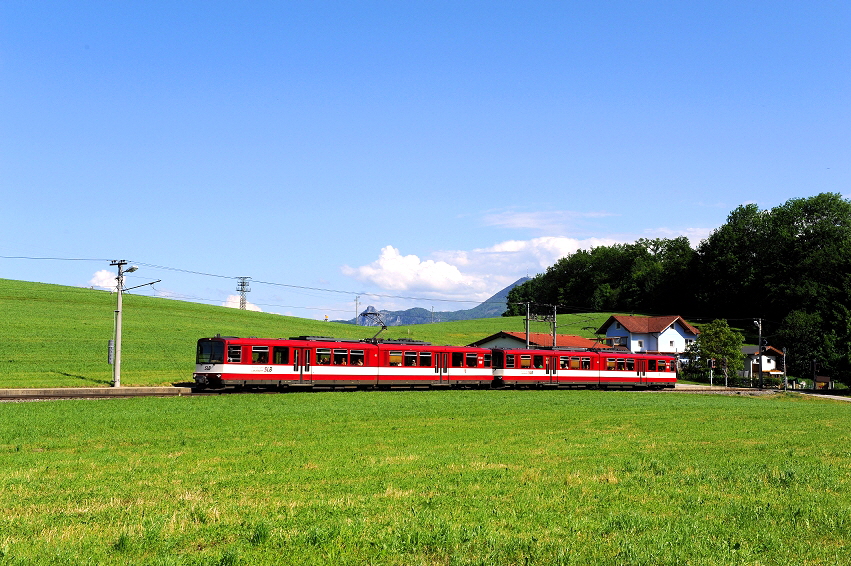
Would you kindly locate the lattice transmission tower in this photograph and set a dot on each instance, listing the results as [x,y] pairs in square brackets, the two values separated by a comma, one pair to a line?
[243,288]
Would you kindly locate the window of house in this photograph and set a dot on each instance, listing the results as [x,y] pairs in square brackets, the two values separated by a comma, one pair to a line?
[672,343]
[641,343]
[234,354]
[280,355]
[260,354]
[323,356]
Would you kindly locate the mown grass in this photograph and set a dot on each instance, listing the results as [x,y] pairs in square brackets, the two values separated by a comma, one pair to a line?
[56,336]
[458,477]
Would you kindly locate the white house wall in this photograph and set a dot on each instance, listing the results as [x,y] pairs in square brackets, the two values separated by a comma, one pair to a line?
[652,342]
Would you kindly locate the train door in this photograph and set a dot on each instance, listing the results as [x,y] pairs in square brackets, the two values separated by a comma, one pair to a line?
[301,365]
[641,369]
[552,368]
[441,367]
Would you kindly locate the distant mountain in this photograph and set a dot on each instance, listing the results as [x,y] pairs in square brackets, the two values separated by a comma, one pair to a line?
[491,308]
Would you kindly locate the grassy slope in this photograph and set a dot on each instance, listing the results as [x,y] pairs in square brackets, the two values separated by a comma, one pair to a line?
[56,336]
[460,477]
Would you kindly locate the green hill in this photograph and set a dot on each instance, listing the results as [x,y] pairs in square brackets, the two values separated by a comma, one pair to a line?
[56,336]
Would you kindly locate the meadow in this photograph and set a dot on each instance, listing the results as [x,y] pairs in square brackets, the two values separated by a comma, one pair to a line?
[56,336]
[454,477]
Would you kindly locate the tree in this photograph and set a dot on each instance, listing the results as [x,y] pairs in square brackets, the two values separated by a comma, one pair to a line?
[717,341]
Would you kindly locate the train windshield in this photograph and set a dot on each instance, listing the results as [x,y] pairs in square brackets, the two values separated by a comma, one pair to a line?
[210,352]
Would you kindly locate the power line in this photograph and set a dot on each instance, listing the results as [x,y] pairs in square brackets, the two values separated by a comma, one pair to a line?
[272,283]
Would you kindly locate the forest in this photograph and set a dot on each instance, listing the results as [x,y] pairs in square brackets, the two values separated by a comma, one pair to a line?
[789,266]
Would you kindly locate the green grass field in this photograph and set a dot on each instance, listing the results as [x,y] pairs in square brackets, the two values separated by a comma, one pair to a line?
[56,336]
[455,477]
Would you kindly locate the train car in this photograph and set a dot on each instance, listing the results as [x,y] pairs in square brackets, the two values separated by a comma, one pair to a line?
[586,368]
[310,361]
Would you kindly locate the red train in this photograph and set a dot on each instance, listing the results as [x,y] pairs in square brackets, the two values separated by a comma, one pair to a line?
[313,361]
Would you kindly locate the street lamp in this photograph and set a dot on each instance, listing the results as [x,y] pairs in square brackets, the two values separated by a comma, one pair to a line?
[116,367]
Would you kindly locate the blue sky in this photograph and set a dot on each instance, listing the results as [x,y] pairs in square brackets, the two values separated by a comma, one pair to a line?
[435,150]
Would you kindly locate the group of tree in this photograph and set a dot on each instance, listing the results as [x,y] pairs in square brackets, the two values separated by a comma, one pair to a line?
[789,266]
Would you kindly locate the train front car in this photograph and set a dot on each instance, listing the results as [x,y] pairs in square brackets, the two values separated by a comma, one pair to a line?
[209,362]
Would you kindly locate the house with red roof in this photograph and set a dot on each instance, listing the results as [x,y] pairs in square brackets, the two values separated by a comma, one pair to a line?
[651,334]
[536,340]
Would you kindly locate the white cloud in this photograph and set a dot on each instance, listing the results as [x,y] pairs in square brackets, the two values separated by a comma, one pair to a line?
[104,279]
[541,252]
[233,302]
[395,272]
[479,273]
[548,220]
[475,274]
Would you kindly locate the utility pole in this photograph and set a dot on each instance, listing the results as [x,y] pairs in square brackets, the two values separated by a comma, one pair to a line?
[555,323]
[116,364]
[527,326]
[758,323]
[357,322]
[243,288]
[116,360]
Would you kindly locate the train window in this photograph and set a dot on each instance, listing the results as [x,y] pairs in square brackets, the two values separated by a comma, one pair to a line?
[651,365]
[574,363]
[425,359]
[457,359]
[341,357]
[586,363]
[357,357]
[621,364]
[234,354]
[509,361]
[630,365]
[487,360]
[563,362]
[610,363]
[525,361]
[395,358]
[410,359]
[539,362]
[260,354]
[295,358]
[280,355]
[323,356]
[472,360]
[662,365]
[210,353]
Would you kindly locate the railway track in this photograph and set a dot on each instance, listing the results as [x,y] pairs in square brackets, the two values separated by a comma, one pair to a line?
[65,393]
